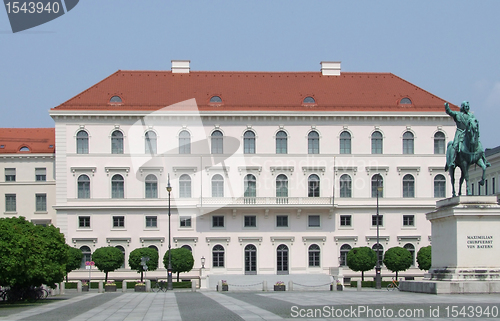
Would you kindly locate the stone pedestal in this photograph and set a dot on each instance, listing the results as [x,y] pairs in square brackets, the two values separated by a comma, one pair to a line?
[465,244]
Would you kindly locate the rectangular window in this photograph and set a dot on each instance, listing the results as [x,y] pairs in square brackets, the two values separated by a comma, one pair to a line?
[10,174]
[250,221]
[314,221]
[380,220]
[118,221]
[217,221]
[10,202]
[345,220]
[282,220]
[408,220]
[151,221]
[185,221]
[40,174]
[41,202]
[84,221]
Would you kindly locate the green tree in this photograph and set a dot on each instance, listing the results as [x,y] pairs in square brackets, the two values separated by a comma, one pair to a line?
[361,259]
[135,259]
[182,261]
[74,259]
[108,259]
[30,255]
[424,258]
[397,259]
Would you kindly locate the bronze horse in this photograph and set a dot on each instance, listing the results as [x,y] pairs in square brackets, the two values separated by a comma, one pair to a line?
[470,152]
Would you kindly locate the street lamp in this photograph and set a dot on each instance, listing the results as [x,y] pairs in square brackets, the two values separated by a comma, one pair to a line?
[378,276]
[169,268]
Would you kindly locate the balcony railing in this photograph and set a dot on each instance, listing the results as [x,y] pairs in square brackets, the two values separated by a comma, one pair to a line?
[267,201]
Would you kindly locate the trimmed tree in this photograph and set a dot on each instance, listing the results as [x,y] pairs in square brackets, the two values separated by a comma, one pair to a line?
[135,259]
[424,258]
[361,259]
[30,255]
[74,259]
[397,259]
[108,259]
[182,261]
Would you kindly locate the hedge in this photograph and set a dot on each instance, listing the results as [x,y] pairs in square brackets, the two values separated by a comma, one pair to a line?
[370,284]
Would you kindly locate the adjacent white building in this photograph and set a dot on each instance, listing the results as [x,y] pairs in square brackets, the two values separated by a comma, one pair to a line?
[27,181]
[271,172]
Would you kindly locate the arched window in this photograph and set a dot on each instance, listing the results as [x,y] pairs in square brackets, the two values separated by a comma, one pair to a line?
[405,101]
[217,186]
[309,100]
[185,186]
[82,142]
[380,252]
[153,247]
[117,186]
[313,143]
[408,143]
[151,185]
[411,249]
[249,142]
[439,143]
[377,185]
[184,142]
[313,185]
[344,249]
[150,141]
[408,186]
[282,259]
[250,259]
[87,255]
[345,142]
[281,189]
[215,99]
[314,252]
[377,143]
[250,186]
[122,249]
[115,99]
[439,186]
[187,247]
[117,142]
[217,142]
[345,186]
[218,256]
[281,142]
[83,186]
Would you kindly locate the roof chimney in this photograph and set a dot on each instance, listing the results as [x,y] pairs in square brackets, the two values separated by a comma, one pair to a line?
[180,66]
[330,68]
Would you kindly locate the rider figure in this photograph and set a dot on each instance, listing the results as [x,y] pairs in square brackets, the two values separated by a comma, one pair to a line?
[461,119]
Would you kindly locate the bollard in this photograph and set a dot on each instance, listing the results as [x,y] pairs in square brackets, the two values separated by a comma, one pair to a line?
[290,285]
[62,288]
[193,286]
[101,286]
[79,286]
[358,285]
[124,286]
[55,291]
[264,286]
[148,285]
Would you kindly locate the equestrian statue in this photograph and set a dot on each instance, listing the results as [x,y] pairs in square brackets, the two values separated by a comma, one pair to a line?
[465,149]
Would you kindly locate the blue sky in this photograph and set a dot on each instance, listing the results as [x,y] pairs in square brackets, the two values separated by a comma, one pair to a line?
[450,48]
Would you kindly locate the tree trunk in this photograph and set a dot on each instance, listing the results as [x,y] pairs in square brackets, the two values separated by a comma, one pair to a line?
[178,276]
[141,275]
[396,276]
[106,278]
[362,276]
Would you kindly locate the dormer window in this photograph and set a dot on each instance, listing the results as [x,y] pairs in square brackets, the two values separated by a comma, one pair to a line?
[215,100]
[309,100]
[115,100]
[405,101]
[24,149]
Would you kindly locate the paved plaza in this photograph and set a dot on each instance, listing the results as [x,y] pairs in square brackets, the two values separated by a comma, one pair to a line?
[317,305]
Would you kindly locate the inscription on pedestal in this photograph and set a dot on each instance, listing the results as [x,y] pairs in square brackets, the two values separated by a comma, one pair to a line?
[479,241]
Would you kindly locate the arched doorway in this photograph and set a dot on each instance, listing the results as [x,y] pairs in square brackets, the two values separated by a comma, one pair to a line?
[250,259]
[282,259]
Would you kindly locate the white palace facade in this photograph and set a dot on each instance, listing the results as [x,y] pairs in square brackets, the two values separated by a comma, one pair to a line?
[271,172]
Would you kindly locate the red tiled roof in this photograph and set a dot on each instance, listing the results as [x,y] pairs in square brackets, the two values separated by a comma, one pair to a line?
[37,140]
[256,91]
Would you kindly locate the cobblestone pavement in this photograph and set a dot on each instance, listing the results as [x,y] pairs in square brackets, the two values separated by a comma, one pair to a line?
[251,306]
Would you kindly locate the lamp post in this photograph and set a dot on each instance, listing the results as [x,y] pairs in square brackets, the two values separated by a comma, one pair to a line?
[378,276]
[169,268]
